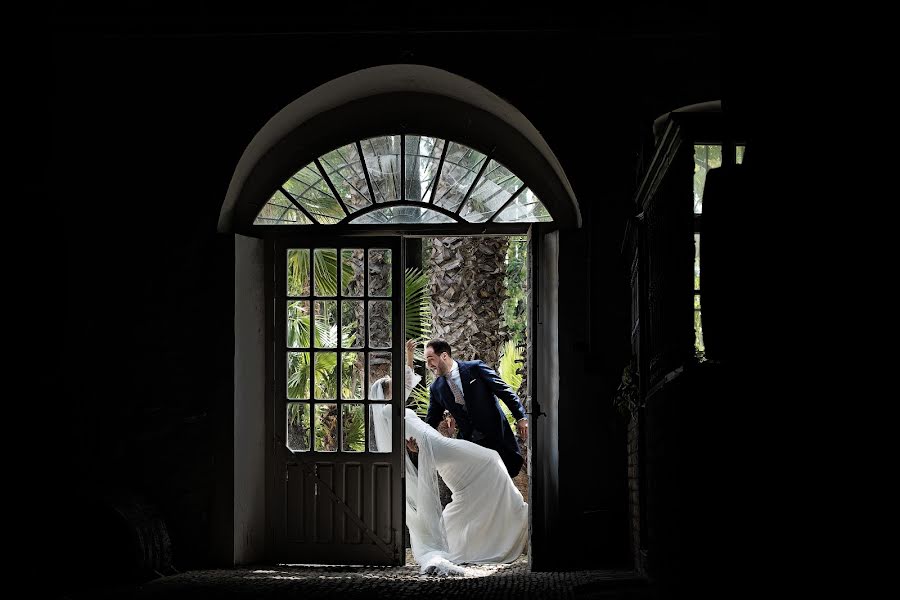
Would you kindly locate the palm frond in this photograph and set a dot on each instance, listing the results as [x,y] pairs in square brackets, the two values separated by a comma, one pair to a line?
[418,304]
[419,399]
[325,272]
[509,365]
[354,434]
[507,372]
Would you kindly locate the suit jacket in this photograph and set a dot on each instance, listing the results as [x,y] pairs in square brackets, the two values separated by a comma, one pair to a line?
[481,421]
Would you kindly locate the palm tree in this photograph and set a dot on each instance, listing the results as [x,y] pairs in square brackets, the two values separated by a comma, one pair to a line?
[467,293]
[468,290]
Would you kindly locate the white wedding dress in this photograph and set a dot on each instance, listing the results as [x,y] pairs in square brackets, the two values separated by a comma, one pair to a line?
[486,522]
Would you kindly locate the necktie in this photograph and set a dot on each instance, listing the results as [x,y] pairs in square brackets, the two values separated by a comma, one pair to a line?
[457,393]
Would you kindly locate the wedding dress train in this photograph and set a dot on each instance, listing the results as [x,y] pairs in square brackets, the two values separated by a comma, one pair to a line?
[486,521]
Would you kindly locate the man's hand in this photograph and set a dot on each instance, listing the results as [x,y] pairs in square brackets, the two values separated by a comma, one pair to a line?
[412,445]
[522,427]
[451,425]
[447,426]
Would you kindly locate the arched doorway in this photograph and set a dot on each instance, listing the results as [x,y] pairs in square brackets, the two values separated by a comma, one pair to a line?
[389,151]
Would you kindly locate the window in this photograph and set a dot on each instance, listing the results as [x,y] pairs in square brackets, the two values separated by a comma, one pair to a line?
[402,179]
[706,158]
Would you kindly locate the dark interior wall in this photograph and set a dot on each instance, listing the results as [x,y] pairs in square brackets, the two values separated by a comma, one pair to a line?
[149,282]
[149,123]
[593,350]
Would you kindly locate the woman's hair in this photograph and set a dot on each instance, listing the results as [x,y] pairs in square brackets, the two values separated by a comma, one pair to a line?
[381,389]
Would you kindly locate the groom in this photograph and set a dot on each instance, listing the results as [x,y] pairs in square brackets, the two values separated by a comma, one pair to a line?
[469,390]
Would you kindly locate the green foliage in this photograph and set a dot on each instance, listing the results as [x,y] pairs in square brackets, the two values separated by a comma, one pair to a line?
[325,263]
[507,372]
[515,305]
[706,158]
[418,304]
[418,327]
[353,424]
[419,399]
[324,335]
[508,365]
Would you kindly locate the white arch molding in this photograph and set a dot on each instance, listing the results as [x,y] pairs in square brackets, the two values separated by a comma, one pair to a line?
[387,100]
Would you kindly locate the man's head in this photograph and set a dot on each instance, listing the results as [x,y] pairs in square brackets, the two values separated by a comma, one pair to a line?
[438,357]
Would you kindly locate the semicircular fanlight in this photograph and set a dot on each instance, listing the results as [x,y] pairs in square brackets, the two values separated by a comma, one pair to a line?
[408,179]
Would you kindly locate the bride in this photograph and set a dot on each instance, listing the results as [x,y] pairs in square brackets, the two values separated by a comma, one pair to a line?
[486,521]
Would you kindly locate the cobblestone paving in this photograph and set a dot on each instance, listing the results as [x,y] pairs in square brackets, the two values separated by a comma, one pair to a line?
[302,582]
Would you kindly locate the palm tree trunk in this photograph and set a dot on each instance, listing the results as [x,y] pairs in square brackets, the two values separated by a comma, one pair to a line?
[467,292]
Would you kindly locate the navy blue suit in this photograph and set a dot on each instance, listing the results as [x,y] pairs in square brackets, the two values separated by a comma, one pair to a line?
[481,421]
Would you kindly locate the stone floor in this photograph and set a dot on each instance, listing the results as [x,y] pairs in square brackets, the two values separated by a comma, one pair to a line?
[302,582]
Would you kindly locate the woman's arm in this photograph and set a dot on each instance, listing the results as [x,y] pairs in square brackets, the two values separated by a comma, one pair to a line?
[410,351]
[411,379]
